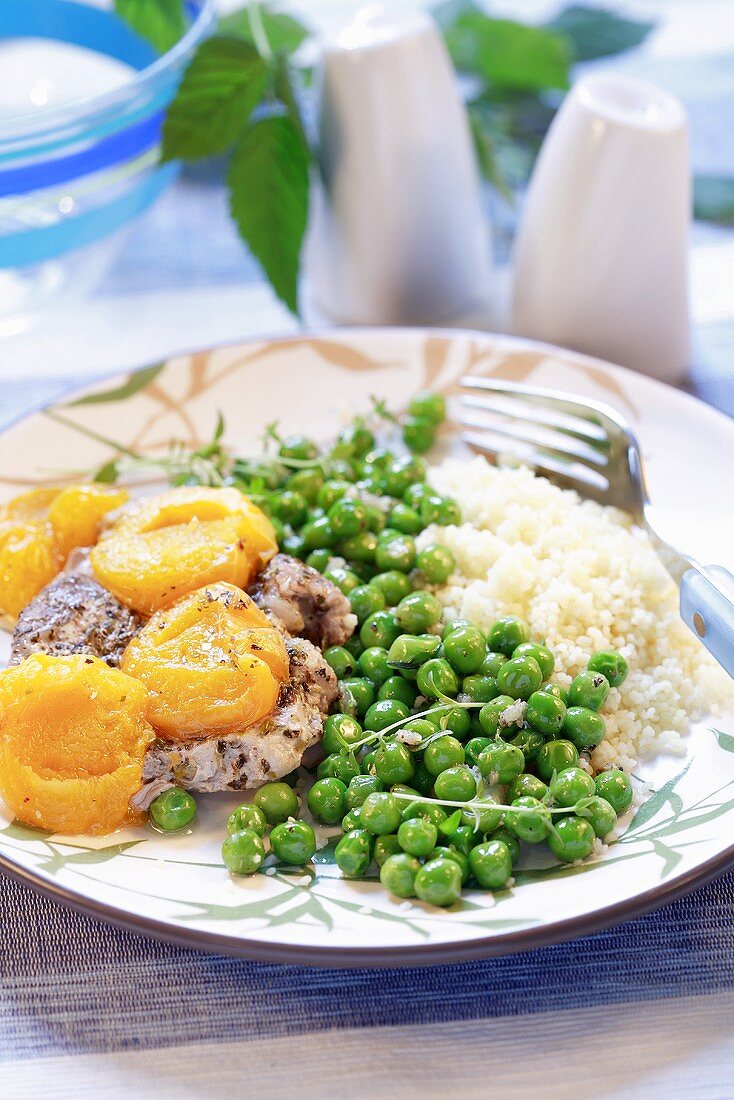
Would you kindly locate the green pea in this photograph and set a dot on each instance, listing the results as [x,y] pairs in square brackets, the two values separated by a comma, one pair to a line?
[401,474]
[338,766]
[172,810]
[615,787]
[511,841]
[355,439]
[462,839]
[491,663]
[439,882]
[307,482]
[556,691]
[436,678]
[320,559]
[354,646]
[430,810]
[394,763]
[554,757]
[393,584]
[398,873]
[545,713]
[409,651]
[379,629]
[454,720]
[435,562]
[610,664]
[375,519]
[396,687]
[519,677]
[277,801]
[540,653]
[368,763]
[466,649]
[318,533]
[380,813]
[299,447]
[405,519]
[600,814]
[350,820]
[572,838]
[359,788]
[431,406]
[340,731]
[243,852]
[440,510]
[327,800]
[246,816]
[480,688]
[588,689]
[584,727]
[417,612]
[356,695]
[456,784]
[386,846]
[353,853]
[483,818]
[359,548]
[445,752]
[506,634]
[418,434]
[527,784]
[417,836]
[341,660]
[529,742]
[290,506]
[453,624]
[491,864]
[570,785]
[528,819]
[494,716]
[473,748]
[348,516]
[365,601]
[384,713]
[450,852]
[346,580]
[422,779]
[504,761]
[293,842]
[416,493]
[373,664]
[332,490]
[397,553]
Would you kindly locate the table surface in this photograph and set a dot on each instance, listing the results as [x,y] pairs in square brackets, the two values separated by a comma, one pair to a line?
[87,1009]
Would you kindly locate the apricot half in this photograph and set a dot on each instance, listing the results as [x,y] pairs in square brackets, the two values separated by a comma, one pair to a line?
[73,734]
[163,547]
[76,514]
[212,663]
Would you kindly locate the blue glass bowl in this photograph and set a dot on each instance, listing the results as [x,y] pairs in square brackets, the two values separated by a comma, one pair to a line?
[73,176]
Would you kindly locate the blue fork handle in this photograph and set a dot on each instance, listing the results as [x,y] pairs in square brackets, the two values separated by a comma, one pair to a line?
[709,612]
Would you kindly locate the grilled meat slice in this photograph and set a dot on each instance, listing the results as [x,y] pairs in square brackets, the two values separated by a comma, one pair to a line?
[74,614]
[265,751]
[300,601]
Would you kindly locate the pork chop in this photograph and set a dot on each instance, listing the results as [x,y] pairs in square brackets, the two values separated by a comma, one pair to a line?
[300,601]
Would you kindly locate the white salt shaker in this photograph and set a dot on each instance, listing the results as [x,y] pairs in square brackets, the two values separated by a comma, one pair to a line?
[398,234]
[600,260]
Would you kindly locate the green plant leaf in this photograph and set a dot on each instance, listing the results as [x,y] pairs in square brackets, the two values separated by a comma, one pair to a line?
[108,473]
[713,199]
[137,381]
[220,89]
[283,88]
[268,181]
[487,160]
[283,32]
[160,22]
[509,55]
[596,32]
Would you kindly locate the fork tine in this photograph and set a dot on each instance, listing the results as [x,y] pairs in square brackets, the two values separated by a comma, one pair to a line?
[554,464]
[588,412]
[515,408]
[543,436]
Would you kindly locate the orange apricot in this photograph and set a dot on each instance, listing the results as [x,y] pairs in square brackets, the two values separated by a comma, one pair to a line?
[161,548]
[213,664]
[76,514]
[73,734]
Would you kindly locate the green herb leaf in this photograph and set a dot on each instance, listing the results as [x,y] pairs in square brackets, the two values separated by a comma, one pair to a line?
[595,32]
[220,89]
[161,22]
[489,164]
[510,55]
[108,474]
[268,181]
[713,199]
[283,32]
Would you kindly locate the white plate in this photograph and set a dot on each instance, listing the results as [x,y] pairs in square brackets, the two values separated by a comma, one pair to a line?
[175,887]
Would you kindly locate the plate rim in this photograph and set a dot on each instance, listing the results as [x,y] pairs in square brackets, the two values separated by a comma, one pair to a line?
[403,956]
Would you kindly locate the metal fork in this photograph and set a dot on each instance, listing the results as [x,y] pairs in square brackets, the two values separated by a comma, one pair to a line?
[588,446]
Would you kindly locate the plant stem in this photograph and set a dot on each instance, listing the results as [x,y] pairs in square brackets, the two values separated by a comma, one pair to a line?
[258,31]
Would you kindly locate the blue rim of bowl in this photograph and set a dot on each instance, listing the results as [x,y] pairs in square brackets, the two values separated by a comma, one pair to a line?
[147,91]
